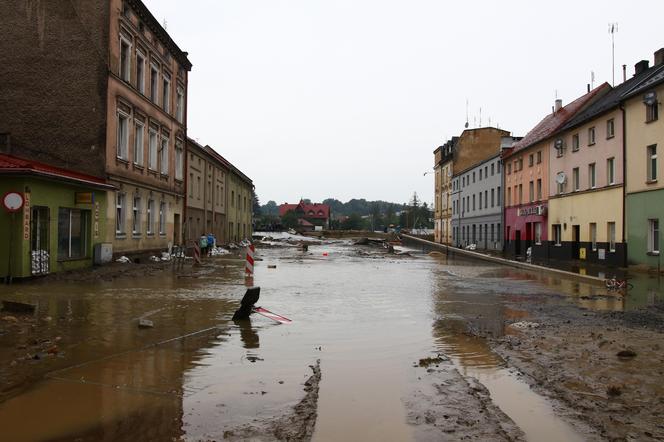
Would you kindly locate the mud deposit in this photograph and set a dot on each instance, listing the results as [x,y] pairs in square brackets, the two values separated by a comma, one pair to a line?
[606,367]
[385,345]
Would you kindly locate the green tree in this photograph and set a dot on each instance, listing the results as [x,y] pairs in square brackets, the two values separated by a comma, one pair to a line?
[289,220]
[270,208]
[353,222]
[256,203]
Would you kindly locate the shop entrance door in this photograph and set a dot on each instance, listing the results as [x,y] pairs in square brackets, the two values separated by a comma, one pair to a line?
[39,245]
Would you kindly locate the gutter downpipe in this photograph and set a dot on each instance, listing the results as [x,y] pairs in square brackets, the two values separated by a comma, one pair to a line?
[624,186]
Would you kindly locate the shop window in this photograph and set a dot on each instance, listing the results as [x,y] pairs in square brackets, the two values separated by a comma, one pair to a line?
[73,231]
[557,234]
[593,236]
[538,233]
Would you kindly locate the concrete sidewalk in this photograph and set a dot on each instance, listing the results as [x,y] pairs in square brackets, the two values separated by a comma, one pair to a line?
[518,264]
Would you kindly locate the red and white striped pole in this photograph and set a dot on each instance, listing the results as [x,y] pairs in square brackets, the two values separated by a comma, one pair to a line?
[249,267]
[197,253]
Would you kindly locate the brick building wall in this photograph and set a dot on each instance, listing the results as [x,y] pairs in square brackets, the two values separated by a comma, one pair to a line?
[53,81]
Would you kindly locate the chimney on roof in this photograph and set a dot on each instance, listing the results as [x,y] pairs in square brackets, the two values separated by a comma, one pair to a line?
[641,66]
[559,105]
[588,87]
[624,73]
[659,57]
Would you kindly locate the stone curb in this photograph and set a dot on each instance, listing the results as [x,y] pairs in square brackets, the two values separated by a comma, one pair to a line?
[521,265]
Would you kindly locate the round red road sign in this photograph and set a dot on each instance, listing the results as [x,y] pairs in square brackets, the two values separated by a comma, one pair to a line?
[13,201]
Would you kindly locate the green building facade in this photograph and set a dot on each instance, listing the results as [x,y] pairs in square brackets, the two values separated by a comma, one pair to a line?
[61,220]
[644,212]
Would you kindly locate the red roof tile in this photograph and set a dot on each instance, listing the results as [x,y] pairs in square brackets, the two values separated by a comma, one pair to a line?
[316,210]
[15,165]
[552,122]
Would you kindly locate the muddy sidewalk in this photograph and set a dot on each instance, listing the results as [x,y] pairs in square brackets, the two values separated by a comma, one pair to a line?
[607,367]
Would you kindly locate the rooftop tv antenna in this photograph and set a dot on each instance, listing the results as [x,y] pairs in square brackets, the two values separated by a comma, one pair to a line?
[613,28]
[466,113]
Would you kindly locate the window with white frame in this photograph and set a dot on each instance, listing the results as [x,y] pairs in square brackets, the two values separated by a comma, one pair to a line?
[591,136]
[593,235]
[575,142]
[179,160]
[125,59]
[136,215]
[611,171]
[150,217]
[164,155]
[166,92]
[152,149]
[538,233]
[120,213]
[179,104]
[162,218]
[653,236]
[610,128]
[611,235]
[652,162]
[140,72]
[560,185]
[122,135]
[591,175]
[557,234]
[139,140]
[575,179]
[154,83]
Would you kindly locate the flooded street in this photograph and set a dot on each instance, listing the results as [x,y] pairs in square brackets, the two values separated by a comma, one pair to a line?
[409,347]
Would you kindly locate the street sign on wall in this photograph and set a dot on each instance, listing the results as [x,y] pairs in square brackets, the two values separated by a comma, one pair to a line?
[13,201]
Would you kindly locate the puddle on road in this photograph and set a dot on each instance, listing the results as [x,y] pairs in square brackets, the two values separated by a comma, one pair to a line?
[366,318]
[462,302]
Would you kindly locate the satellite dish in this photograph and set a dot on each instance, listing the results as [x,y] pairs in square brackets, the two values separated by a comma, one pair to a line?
[559,143]
[561,178]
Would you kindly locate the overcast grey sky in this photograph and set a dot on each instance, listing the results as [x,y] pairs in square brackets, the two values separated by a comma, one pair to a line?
[349,98]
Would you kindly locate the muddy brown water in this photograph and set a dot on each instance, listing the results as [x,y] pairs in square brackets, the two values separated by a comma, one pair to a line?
[197,374]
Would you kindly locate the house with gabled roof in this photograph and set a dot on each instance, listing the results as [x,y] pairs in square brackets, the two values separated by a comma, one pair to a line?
[309,215]
[526,180]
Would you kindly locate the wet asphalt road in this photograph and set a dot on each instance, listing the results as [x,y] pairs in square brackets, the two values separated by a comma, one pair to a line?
[367,316]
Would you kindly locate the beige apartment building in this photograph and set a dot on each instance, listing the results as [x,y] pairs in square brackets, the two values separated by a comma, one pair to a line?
[240,205]
[207,173]
[219,197]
